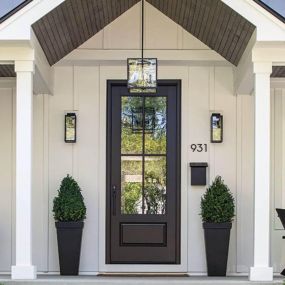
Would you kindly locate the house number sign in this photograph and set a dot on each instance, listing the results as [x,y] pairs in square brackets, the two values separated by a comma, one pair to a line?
[199,147]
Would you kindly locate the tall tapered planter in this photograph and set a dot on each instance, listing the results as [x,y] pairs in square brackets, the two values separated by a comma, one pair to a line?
[69,212]
[217,211]
[217,239]
[69,236]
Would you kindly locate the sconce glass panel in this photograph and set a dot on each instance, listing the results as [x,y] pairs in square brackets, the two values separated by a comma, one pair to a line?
[216,128]
[70,128]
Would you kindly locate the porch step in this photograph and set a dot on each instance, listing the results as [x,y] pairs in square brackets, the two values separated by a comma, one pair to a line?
[145,280]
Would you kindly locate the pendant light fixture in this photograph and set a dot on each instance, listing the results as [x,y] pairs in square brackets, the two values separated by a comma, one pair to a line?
[142,72]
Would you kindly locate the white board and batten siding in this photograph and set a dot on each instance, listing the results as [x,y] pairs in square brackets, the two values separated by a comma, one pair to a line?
[84,89]
[277,173]
[205,88]
[7,175]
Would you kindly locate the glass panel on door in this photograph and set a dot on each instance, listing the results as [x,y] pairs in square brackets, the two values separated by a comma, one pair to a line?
[143,155]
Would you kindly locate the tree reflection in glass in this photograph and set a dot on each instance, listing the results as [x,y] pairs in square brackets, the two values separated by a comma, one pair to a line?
[131,185]
[155,185]
[155,142]
[143,155]
[131,142]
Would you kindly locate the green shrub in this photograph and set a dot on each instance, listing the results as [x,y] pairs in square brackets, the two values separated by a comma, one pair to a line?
[69,205]
[217,204]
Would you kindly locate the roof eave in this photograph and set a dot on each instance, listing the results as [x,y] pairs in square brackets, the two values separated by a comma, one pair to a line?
[14,11]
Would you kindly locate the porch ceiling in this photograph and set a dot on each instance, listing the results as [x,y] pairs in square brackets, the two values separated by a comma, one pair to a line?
[278,71]
[211,21]
[7,70]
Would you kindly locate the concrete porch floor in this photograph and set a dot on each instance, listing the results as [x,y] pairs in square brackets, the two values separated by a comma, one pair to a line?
[137,280]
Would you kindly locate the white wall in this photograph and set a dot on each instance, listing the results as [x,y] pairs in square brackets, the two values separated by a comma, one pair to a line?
[277,172]
[78,88]
[205,88]
[6,176]
[160,33]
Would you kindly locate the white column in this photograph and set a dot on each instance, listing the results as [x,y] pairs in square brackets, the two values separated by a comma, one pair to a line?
[261,271]
[24,109]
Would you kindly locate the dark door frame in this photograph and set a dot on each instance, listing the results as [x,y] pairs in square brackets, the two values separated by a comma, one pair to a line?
[110,84]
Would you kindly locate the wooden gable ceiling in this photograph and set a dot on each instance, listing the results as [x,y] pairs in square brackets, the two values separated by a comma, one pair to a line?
[75,21]
[7,70]
[211,21]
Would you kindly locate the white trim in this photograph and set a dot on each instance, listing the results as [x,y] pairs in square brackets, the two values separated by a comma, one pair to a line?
[266,13]
[269,52]
[180,73]
[46,200]
[91,55]
[15,52]
[24,66]
[21,272]
[18,14]
[239,200]
[18,26]
[24,132]
[261,274]
[261,270]
[269,28]
[277,82]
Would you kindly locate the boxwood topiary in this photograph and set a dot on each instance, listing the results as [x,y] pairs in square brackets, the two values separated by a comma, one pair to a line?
[69,205]
[217,204]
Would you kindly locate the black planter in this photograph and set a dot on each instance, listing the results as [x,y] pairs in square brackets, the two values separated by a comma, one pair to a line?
[69,236]
[217,238]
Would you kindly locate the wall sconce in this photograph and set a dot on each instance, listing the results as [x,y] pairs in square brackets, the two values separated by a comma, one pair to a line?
[70,128]
[216,128]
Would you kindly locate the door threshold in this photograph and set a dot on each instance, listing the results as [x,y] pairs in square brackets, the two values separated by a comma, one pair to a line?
[144,274]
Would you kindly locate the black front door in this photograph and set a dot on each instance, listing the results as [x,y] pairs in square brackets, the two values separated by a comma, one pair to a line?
[143,175]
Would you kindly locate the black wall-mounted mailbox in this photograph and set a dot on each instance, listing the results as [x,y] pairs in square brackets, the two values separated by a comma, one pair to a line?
[198,173]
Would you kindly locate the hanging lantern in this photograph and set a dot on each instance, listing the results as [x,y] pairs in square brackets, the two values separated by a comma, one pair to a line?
[142,75]
[142,72]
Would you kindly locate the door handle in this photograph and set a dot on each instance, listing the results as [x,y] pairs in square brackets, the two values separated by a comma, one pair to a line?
[114,199]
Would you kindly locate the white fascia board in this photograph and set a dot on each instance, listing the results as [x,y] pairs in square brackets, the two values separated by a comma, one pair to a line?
[18,26]
[269,28]
[13,53]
